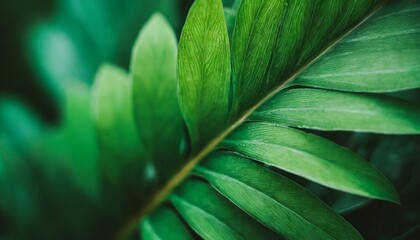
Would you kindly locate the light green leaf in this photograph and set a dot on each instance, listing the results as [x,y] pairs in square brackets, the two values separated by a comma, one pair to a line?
[114,120]
[164,224]
[213,217]
[253,41]
[275,201]
[331,110]
[311,157]
[204,71]
[155,100]
[382,55]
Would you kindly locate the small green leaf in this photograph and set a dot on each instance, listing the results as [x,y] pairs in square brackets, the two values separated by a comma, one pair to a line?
[155,100]
[311,157]
[213,217]
[275,201]
[331,110]
[113,115]
[164,224]
[204,71]
[382,55]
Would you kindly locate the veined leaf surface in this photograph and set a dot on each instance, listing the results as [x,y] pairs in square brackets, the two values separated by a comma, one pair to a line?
[275,201]
[204,71]
[311,157]
[331,110]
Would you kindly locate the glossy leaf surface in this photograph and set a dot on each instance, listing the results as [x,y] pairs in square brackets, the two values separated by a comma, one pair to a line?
[311,157]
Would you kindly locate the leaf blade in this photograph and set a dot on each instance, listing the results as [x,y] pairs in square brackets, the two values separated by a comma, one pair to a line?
[214,217]
[331,110]
[204,71]
[268,200]
[311,157]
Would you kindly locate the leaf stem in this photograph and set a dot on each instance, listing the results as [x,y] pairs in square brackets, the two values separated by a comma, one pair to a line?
[178,178]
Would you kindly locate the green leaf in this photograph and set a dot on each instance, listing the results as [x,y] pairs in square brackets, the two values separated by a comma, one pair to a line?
[204,71]
[275,201]
[158,118]
[230,15]
[213,217]
[286,50]
[114,120]
[311,157]
[331,18]
[330,110]
[382,55]
[252,45]
[164,224]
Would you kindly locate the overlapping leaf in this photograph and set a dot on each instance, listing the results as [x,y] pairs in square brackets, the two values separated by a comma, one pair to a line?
[204,71]
[156,109]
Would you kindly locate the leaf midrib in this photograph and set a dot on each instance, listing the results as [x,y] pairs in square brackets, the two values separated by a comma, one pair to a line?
[178,178]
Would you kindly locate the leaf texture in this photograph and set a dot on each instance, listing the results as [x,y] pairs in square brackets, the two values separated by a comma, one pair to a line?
[213,217]
[275,201]
[204,71]
[331,110]
[311,157]
[382,55]
[253,42]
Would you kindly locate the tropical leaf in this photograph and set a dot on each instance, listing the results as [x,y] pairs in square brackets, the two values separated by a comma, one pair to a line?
[265,64]
[275,201]
[204,71]
[319,160]
[213,216]
[242,123]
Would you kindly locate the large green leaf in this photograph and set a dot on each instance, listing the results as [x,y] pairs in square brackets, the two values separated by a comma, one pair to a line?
[311,157]
[158,118]
[275,201]
[331,110]
[204,71]
[382,55]
[214,217]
